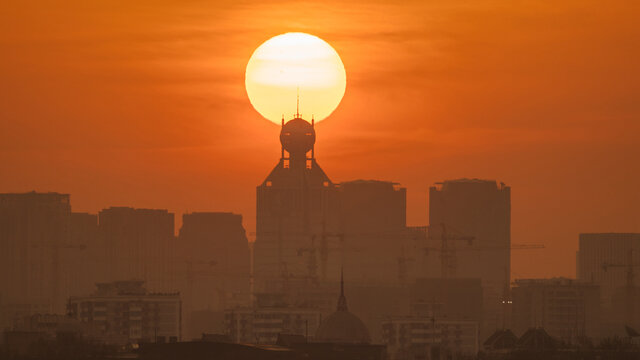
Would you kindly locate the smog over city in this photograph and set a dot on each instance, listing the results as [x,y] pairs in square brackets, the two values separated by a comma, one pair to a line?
[351,180]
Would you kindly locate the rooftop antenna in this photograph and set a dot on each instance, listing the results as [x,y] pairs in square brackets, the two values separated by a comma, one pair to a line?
[312,121]
[298,102]
[282,119]
[342,300]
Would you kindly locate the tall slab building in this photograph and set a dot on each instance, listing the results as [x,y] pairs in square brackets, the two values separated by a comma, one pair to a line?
[472,218]
[136,245]
[34,230]
[297,225]
[374,233]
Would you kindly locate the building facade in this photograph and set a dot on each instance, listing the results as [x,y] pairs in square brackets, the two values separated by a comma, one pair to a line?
[213,253]
[421,337]
[137,244]
[308,226]
[213,263]
[603,259]
[374,235]
[263,325]
[453,299]
[123,312]
[34,231]
[470,229]
[567,309]
[296,216]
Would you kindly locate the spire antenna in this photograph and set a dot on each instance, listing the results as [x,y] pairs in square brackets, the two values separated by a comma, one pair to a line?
[298,101]
[342,300]
[342,281]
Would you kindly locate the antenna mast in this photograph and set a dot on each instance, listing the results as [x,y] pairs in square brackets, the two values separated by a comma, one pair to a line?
[298,102]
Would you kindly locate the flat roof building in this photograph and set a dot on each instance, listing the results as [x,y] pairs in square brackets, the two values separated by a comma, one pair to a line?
[137,244]
[124,312]
[34,229]
[478,212]
[567,309]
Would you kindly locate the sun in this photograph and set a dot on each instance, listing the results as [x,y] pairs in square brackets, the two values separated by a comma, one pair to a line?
[290,64]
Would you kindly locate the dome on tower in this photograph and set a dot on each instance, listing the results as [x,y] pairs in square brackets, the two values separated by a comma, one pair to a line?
[342,326]
[297,136]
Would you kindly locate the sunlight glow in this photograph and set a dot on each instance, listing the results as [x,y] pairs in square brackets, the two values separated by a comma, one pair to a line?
[292,61]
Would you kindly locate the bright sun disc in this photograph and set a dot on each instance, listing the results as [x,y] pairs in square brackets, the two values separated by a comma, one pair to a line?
[292,62]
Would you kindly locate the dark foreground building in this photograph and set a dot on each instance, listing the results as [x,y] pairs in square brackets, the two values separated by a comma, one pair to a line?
[203,350]
[123,312]
[293,350]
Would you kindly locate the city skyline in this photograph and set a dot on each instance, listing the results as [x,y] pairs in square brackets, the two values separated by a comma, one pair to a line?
[316,180]
[144,105]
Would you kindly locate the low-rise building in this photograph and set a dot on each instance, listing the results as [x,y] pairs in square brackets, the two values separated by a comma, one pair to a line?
[262,325]
[567,309]
[421,337]
[123,312]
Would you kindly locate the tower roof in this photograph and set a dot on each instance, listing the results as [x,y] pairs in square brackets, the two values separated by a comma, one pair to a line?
[342,326]
[297,136]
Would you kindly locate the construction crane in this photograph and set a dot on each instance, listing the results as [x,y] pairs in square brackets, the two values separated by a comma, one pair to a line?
[323,249]
[448,253]
[311,262]
[629,265]
[448,263]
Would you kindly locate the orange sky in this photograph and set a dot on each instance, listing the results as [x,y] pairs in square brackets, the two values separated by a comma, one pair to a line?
[144,105]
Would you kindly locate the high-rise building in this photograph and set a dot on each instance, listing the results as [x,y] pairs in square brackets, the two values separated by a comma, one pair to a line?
[137,245]
[567,309]
[477,212]
[453,299]
[212,255]
[308,225]
[34,230]
[374,233]
[79,259]
[297,232]
[214,250]
[124,312]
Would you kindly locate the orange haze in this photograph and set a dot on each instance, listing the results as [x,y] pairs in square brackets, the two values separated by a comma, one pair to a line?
[143,104]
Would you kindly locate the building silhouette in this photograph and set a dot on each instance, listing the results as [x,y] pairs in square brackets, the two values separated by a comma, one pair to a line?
[213,262]
[428,337]
[603,258]
[137,244]
[82,255]
[612,261]
[567,309]
[478,212]
[34,230]
[124,312]
[263,324]
[342,326]
[453,299]
[296,215]
[307,224]
[374,233]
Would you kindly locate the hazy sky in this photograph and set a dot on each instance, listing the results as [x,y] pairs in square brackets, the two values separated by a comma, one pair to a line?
[144,105]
